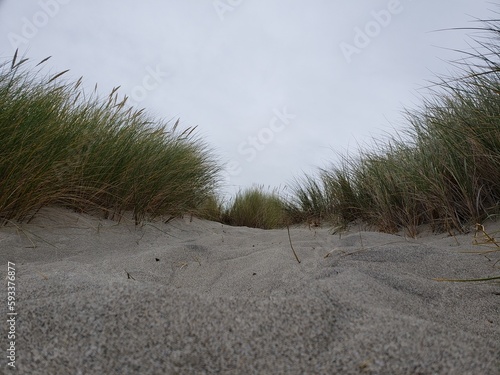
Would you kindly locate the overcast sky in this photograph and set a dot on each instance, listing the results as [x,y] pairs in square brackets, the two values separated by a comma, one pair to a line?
[276,88]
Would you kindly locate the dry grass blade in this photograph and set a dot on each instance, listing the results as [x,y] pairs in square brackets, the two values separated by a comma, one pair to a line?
[487,238]
[44,60]
[468,280]
[58,75]
[16,64]
[481,238]
[290,239]
[14,59]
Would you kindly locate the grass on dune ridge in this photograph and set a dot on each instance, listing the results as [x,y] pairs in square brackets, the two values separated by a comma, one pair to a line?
[255,207]
[442,170]
[60,147]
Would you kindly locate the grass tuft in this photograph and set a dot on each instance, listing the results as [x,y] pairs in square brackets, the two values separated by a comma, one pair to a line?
[62,147]
[257,208]
[442,170]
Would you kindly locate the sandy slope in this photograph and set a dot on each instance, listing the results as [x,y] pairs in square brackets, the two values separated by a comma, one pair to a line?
[199,297]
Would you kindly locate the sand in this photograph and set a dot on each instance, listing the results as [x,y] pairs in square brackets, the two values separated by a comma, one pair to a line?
[199,297]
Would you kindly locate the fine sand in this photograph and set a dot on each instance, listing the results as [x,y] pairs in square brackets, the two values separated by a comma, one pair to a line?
[199,297]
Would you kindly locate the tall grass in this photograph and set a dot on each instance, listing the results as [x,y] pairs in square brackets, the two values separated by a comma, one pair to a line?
[442,170]
[61,147]
[213,208]
[254,207]
[327,197]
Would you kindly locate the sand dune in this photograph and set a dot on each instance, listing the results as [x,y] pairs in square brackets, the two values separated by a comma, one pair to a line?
[199,297]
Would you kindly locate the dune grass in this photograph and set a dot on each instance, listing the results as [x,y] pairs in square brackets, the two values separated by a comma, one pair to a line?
[213,208]
[61,147]
[442,170]
[254,207]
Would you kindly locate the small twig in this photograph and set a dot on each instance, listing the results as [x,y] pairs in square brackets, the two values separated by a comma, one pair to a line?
[331,252]
[129,276]
[290,239]
[468,280]
[137,241]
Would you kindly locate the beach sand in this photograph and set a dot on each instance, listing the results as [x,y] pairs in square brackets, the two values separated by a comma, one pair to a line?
[198,297]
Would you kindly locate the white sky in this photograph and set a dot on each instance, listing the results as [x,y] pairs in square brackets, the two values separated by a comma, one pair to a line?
[276,88]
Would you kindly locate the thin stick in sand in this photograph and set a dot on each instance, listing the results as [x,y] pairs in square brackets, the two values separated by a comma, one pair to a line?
[290,239]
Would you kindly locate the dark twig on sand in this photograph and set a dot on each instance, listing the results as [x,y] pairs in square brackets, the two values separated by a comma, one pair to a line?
[290,239]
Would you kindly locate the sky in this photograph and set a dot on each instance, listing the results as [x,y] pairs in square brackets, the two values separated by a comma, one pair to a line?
[275,88]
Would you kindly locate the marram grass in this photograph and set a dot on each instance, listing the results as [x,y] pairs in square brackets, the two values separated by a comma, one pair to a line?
[60,147]
[254,207]
[442,170]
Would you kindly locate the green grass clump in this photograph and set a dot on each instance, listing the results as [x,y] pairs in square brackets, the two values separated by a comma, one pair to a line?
[212,208]
[443,170]
[60,147]
[328,198]
[257,208]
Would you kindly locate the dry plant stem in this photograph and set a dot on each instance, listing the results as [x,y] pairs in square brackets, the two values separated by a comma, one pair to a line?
[468,280]
[490,241]
[25,232]
[290,239]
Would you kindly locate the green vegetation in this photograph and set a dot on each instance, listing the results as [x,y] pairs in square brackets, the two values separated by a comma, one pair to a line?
[443,170]
[212,208]
[257,208]
[60,147]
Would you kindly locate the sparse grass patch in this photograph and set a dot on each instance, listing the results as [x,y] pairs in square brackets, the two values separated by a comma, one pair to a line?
[60,147]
